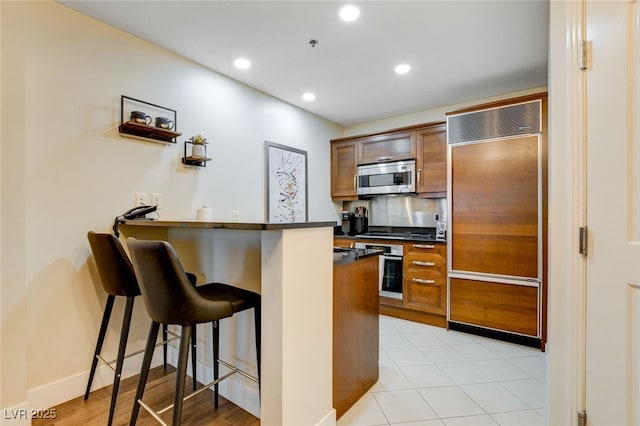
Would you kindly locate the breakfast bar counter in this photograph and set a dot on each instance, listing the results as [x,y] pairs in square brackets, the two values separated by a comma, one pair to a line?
[291,266]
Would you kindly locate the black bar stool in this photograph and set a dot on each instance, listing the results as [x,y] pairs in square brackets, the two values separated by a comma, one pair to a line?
[118,279]
[170,299]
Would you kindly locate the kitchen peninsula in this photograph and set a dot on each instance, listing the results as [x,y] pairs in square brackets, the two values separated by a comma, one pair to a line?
[291,266]
[355,325]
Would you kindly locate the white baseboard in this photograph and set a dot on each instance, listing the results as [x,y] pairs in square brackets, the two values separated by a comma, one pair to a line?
[57,392]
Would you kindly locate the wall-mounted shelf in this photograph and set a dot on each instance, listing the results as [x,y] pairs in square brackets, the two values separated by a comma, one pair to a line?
[195,158]
[146,131]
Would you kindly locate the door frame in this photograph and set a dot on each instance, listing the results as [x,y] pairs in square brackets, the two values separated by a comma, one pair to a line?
[567,213]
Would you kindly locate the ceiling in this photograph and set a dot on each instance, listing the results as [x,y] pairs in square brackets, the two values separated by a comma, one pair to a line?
[459,50]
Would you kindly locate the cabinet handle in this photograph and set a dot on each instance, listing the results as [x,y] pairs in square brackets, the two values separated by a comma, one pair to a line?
[419,180]
[384,157]
[419,263]
[424,246]
[421,281]
[355,183]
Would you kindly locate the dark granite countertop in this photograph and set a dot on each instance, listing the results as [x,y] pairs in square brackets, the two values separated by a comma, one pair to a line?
[343,255]
[224,225]
[407,238]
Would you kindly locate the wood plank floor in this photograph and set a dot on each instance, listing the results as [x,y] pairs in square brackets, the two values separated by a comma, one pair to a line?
[197,411]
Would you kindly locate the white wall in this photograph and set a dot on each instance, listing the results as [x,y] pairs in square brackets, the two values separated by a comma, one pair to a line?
[66,170]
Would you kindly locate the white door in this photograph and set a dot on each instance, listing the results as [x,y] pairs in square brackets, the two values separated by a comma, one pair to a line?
[612,373]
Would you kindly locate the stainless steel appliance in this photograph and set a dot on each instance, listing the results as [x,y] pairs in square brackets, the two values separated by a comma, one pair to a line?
[395,177]
[390,272]
[346,223]
[441,228]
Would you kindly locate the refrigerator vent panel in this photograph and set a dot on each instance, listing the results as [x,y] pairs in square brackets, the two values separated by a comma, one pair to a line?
[519,119]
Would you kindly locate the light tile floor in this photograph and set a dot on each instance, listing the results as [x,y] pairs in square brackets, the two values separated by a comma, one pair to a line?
[433,377]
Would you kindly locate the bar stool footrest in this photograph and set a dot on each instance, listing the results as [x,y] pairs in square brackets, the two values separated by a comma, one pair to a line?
[113,361]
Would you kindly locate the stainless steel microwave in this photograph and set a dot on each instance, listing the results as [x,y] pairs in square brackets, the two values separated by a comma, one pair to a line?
[397,177]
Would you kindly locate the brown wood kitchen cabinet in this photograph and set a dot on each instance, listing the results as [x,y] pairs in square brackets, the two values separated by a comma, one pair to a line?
[425,277]
[344,160]
[426,143]
[387,147]
[355,331]
[431,161]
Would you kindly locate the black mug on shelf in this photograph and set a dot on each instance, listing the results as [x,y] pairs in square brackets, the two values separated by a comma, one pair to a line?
[164,123]
[140,117]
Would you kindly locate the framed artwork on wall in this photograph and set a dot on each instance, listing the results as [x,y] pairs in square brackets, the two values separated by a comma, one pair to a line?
[286,182]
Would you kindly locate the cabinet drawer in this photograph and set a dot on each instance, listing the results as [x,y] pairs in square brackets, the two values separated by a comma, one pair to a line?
[425,248]
[425,263]
[500,306]
[426,293]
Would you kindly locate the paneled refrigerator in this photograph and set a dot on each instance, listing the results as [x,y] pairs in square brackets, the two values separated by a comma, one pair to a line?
[497,221]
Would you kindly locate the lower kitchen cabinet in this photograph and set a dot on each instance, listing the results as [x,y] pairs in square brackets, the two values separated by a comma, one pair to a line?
[498,306]
[355,331]
[425,277]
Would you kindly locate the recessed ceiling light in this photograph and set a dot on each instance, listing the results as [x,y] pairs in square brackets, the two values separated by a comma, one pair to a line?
[309,97]
[242,63]
[349,13]
[403,68]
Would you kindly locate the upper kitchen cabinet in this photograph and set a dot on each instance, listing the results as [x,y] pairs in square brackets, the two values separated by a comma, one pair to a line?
[431,161]
[426,143]
[344,161]
[387,147]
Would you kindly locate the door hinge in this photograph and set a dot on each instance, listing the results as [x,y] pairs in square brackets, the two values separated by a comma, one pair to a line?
[584,54]
[584,240]
[582,418]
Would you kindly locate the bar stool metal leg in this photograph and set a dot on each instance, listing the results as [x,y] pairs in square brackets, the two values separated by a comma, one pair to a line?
[194,351]
[181,374]
[124,334]
[215,327]
[144,370]
[103,331]
[165,337]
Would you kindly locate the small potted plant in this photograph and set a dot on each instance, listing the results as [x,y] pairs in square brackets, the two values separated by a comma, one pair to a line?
[198,142]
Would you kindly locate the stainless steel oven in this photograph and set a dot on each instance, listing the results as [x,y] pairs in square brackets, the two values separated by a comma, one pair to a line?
[390,272]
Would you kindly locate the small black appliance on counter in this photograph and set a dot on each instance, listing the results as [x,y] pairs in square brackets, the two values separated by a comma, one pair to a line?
[358,225]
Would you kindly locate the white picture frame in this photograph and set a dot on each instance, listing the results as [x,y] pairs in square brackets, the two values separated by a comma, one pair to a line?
[286,181]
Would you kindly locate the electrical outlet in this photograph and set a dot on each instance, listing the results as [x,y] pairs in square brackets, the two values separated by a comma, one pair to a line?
[156,200]
[235,215]
[141,199]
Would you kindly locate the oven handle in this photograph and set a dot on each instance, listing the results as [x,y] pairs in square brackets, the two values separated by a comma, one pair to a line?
[391,257]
